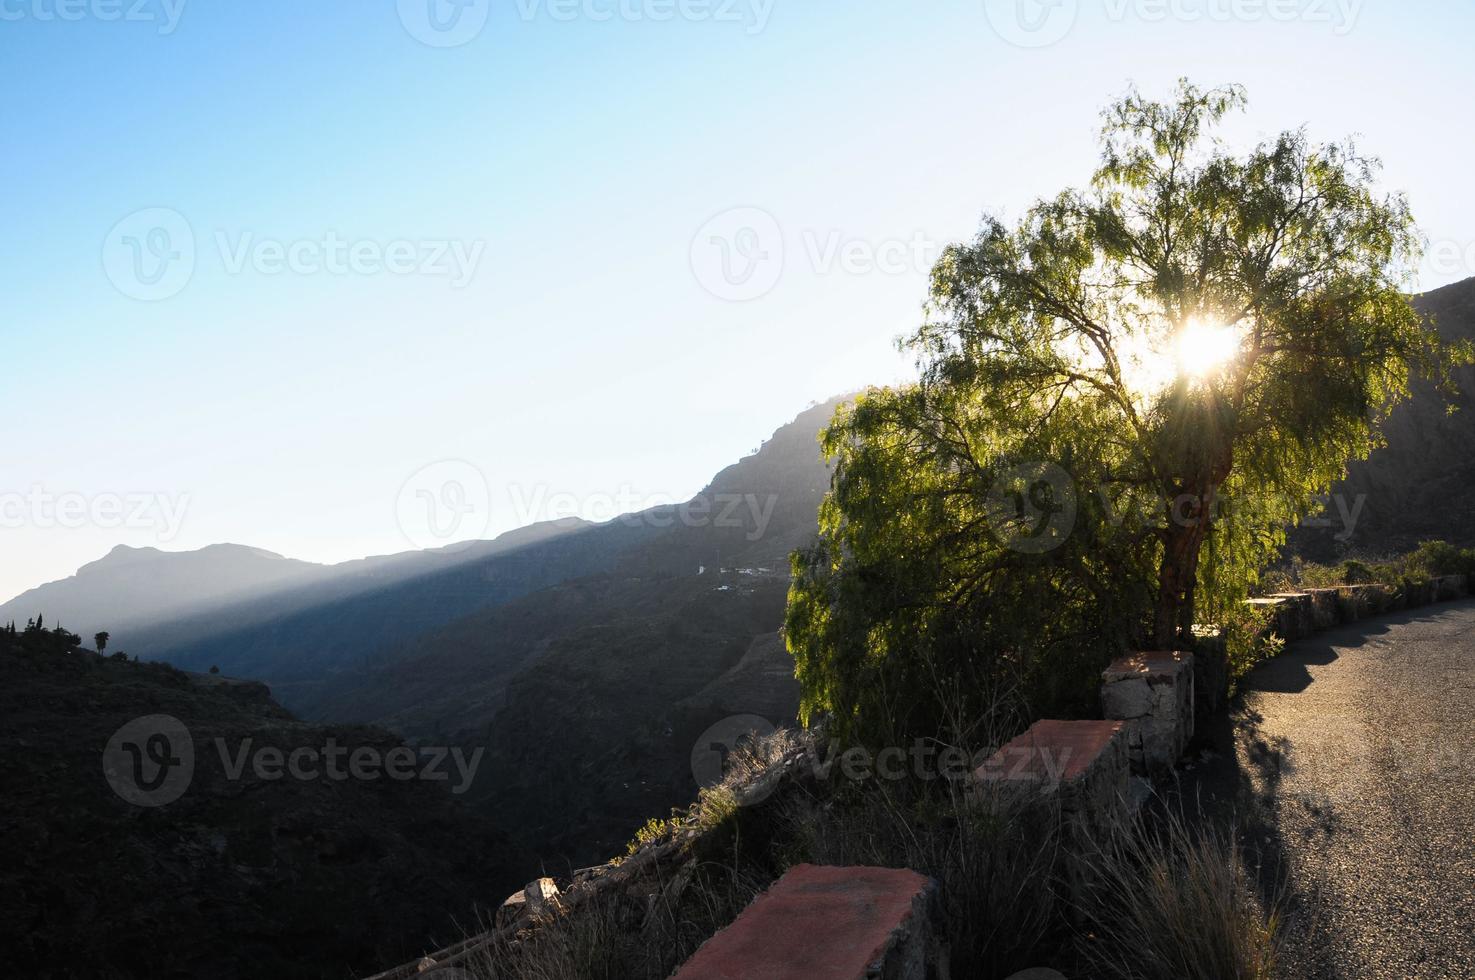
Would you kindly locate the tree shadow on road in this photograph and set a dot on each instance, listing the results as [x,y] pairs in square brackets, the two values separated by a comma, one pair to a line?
[1232,779]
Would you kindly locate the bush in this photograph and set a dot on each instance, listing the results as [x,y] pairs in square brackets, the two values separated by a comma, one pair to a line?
[1248,641]
[1436,558]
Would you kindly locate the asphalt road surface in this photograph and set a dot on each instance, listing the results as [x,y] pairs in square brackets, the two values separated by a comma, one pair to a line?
[1349,769]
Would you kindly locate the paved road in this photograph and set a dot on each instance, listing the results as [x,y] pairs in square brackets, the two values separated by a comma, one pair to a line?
[1353,768]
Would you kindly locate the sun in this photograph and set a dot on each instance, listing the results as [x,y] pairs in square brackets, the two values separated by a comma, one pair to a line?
[1205,348]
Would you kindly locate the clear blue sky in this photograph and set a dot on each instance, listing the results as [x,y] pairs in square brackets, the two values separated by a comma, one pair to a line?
[581,146]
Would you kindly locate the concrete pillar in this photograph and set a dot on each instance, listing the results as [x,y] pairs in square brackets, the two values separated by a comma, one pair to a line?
[1152,695]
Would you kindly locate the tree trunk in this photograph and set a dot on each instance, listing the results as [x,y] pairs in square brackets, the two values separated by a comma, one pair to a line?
[1189,516]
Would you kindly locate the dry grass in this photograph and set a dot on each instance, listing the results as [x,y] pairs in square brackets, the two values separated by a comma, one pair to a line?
[997,864]
[1176,902]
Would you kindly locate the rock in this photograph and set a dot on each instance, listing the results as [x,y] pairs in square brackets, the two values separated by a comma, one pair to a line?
[540,895]
[511,910]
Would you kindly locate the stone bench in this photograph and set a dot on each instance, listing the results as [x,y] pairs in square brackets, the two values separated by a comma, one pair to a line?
[1282,615]
[1296,614]
[1324,611]
[1416,594]
[1152,694]
[830,923]
[1448,587]
[1356,602]
[1082,763]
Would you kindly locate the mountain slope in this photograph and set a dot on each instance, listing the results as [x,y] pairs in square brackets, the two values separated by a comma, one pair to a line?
[133,585]
[238,877]
[589,695]
[1418,486]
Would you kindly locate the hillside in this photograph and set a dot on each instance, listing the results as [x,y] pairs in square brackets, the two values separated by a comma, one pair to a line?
[1418,486]
[293,624]
[236,878]
[589,695]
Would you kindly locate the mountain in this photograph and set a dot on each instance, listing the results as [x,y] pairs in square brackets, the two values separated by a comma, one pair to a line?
[323,636]
[240,875]
[129,586]
[1418,486]
[290,623]
[584,660]
[588,696]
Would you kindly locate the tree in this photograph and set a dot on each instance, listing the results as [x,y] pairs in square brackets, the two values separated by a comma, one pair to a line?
[101,640]
[1198,340]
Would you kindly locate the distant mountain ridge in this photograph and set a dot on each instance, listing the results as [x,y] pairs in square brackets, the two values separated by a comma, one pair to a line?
[131,585]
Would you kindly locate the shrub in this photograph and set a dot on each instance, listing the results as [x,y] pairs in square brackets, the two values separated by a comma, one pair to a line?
[1435,558]
[1248,641]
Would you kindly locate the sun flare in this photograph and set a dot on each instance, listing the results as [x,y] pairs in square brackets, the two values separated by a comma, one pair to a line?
[1205,348]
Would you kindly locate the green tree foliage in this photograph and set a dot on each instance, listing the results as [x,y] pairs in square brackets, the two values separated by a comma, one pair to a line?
[37,639]
[1044,494]
[101,641]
